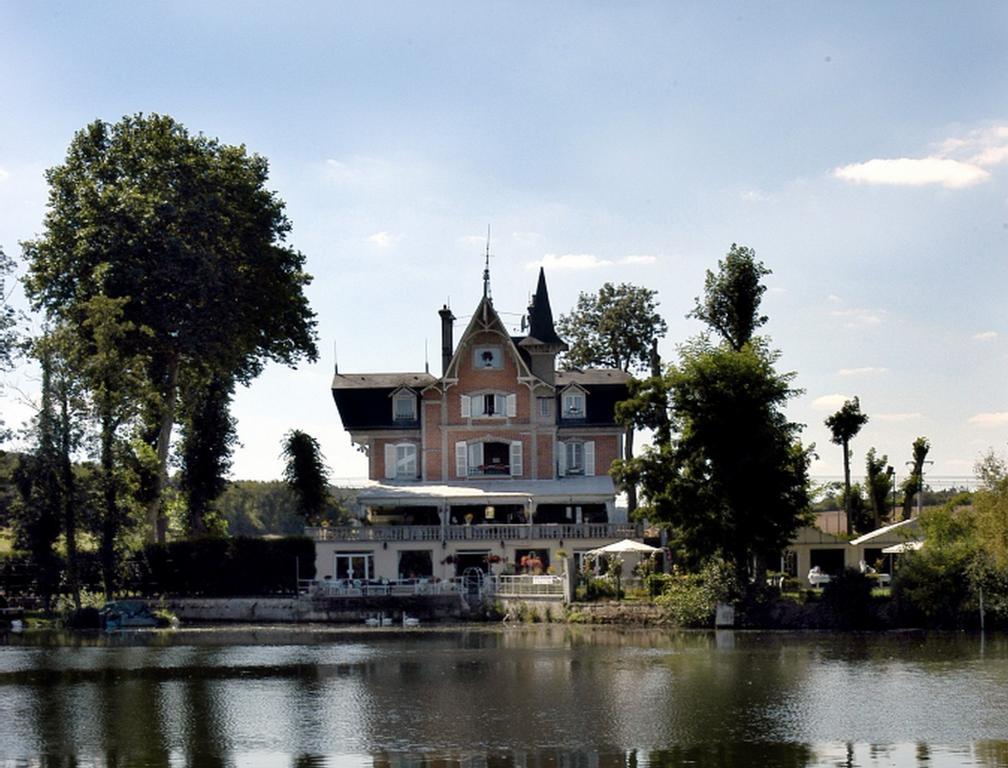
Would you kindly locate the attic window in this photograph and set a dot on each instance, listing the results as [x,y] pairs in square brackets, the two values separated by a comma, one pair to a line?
[487,357]
[404,406]
[573,405]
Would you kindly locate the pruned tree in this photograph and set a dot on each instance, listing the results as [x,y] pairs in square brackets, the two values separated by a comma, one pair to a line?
[732,297]
[843,426]
[306,473]
[914,483]
[877,484]
[184,231]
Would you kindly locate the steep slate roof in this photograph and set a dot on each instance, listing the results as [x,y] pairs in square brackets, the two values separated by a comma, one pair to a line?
[591,377]
[540,316]
[371,380]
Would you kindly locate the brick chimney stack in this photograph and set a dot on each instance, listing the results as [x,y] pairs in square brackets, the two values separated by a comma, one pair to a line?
[447,343]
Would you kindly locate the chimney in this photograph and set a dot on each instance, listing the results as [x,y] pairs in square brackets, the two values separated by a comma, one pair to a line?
[447,345]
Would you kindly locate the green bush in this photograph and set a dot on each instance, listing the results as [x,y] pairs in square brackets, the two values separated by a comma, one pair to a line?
[657,583]
[690,599]
[848,595]
[226,567]
[932,586]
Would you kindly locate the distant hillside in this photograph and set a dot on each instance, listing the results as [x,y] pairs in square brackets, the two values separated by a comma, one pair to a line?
[262,508]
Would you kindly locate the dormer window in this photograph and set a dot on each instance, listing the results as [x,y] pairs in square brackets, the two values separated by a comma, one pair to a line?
[488,358]
[574,404]
[404,405]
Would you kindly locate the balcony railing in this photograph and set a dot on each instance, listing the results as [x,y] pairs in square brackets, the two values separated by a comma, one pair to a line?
[519,532]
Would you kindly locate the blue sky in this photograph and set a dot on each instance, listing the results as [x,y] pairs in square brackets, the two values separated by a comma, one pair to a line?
[860,148]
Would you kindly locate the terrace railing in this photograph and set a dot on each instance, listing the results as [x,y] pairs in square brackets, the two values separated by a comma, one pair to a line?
[491,532]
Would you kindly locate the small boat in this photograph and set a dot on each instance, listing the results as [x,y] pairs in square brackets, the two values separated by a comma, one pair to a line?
[128,614]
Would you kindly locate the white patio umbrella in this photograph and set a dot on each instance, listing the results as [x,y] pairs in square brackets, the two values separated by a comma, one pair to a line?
[624,547]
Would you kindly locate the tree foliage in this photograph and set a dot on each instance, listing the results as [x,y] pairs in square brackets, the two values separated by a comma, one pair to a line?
[843,426]
[183,231]
[613,328]
[732,296]
[208,437]
[306,474]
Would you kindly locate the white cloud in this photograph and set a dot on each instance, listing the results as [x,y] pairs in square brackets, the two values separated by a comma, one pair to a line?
[897,418]
[867,370]
[955,163]
[527,237]
[473,240]
[913,172]
[4,174]
[582,261]
[830,402]
[996,419]
[859,317]
[383,239]
[985,336]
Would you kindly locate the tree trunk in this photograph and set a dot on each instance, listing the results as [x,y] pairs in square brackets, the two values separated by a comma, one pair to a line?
[109,526]
[155,508]
[631,489]
[69,511]
[846,481]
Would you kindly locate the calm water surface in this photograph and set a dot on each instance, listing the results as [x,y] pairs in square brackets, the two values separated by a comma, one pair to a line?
[549,696]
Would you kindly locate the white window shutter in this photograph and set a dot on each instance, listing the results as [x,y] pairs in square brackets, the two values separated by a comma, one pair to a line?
[475,455]
[466,407]
[589,457]
[390,461]
[561,457]
[516,458]
[512,405]
[461,459]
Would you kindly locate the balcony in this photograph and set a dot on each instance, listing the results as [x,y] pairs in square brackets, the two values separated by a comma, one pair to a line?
[536,531]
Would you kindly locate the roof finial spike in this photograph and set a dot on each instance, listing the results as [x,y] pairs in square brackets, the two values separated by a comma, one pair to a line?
[426,358]
[486,268]
[335,359]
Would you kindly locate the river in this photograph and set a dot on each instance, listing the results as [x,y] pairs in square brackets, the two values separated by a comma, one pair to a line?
[548,696]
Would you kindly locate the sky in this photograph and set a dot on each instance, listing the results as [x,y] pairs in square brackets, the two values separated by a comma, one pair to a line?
[860,148]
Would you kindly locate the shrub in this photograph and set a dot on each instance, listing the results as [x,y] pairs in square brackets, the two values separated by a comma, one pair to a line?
[932,586]
[848,595]
[690,599]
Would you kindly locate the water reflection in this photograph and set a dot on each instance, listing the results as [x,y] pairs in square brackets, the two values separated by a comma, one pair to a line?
[526,697]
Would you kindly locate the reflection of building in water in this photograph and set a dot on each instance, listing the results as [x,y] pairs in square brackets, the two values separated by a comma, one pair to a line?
[493,466]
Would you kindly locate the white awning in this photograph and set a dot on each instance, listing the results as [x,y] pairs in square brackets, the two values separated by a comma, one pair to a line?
[624,547]
[906,546]
[569,490]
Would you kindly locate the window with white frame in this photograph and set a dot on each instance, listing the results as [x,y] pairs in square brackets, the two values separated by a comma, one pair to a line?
[404,406]
[489,405]
[401,461]
[576,457]
[488,457]
[573,404]
[545,405]
[353,565]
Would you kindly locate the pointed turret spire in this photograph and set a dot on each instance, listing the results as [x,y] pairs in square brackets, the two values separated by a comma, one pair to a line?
[540,315]
[486,269]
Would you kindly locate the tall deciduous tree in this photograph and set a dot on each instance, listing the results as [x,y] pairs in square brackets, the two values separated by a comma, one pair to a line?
[613,328]
[185,231]
[728,470]
[306,474]
[843,426]
[618,327]
[8,337]
[913,484]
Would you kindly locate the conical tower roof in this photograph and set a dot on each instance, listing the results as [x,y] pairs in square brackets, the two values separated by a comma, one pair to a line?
[540,316]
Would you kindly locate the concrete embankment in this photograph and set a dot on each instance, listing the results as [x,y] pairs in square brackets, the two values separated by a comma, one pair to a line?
[304,609]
